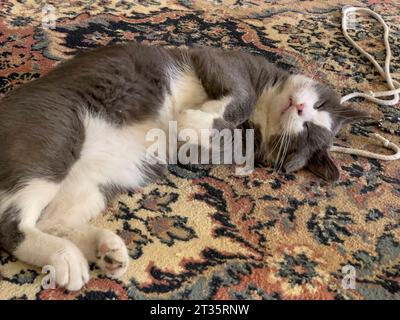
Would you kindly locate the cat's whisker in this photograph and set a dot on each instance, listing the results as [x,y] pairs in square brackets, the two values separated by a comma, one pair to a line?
[288,138]
[275,144]
[280,149]
[282,161]
[290,133]
[280,155]
[345,115]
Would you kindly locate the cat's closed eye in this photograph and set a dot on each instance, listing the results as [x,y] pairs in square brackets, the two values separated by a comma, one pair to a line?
[319,105]
[307,127]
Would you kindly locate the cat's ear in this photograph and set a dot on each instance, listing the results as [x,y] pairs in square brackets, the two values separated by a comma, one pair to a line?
[322,165]
[347,114]
[294,162]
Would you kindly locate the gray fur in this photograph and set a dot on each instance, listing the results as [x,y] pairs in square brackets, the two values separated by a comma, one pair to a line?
[10,235]
[152,172]
[341,114]
[237,74]
[41,130]
[110,191]
[308,146]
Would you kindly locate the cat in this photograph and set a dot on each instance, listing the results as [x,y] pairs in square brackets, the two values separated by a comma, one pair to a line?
[75,137]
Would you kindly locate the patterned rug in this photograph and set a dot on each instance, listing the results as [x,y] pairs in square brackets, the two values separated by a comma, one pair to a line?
[204,233]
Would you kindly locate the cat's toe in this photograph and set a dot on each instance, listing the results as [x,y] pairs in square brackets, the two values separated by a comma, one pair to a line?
[71,269]
[112,255]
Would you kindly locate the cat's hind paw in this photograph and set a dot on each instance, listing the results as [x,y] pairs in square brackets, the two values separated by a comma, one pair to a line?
[112,255]
[71,268]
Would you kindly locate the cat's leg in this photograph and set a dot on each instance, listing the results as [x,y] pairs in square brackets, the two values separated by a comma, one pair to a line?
[195,126]
[208,116]
[98,245]
[206,128]
[19,235]
[221,78]
[68,216]
[216,139]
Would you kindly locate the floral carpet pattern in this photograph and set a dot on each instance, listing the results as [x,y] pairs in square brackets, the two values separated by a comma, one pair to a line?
[204,233]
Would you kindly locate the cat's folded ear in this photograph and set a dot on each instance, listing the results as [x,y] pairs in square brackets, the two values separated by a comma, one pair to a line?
[322,165]
[347,114]
[294,163]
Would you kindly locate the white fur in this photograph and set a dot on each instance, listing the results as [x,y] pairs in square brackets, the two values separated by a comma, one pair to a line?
[188,104]
[114,155]
[30,200]
[110,155]
[39,248]
[186,92]
[204,117]
[273,101]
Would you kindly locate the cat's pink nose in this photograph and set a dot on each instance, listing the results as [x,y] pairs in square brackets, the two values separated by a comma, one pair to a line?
[300,106]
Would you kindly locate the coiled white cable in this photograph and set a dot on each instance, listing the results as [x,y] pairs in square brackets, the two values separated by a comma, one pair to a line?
[373,96]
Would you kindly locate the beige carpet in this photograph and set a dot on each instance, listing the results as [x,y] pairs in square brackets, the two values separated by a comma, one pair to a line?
[203,233]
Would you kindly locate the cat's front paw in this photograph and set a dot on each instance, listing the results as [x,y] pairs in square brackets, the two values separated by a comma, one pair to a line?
[112,254]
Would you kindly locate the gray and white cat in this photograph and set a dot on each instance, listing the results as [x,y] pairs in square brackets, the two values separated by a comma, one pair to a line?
[74,137]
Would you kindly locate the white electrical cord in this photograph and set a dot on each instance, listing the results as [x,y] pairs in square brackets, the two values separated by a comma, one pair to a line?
[373,96]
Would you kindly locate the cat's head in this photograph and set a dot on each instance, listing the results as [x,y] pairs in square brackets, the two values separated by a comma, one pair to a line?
[298,119]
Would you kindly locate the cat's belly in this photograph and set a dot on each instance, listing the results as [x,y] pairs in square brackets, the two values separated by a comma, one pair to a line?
[111,154]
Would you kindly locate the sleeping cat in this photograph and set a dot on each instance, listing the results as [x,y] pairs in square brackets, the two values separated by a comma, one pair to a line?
[73,138]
